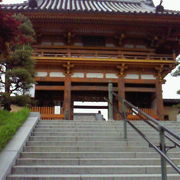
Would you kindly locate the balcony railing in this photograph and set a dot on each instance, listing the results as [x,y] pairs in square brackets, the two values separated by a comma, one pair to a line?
[99,52]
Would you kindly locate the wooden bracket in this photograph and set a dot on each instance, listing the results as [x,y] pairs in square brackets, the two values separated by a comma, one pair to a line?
[122,69]
[68,68]
[120,38]
[160,73]
[69,37]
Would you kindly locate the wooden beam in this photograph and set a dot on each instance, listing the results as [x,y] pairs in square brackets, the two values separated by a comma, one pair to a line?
[140,81]
[50,88]
[57,79]
[93,80]
[139,89]
[52,60]
[90,107]
[52,79]
[91,88]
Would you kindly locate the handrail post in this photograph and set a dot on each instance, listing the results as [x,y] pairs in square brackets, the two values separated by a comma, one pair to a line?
[163,149]
[110,104]
[124,119]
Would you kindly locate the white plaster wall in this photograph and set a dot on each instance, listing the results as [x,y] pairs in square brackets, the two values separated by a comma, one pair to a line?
[94,75]
[129,46]
[132,76]
[109,45]
[56,74]
[45,43]
[78,75]
[41,74]
[111,75]
[147,76]
[59,43]
[78,44]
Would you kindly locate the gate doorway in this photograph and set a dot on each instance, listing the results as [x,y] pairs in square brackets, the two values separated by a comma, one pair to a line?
[88,109]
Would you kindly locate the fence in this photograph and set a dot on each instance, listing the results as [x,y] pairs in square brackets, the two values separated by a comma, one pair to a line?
[47,113]
[133,116]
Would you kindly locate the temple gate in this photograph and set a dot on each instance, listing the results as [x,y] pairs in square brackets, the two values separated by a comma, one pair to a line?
[82,48]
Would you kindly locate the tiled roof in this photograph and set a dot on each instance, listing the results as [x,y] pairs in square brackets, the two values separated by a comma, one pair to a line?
[109,6]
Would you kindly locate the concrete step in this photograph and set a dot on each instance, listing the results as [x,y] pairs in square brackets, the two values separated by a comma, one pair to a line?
[93,131]
[88,169]
[86,130]
[79,128]
[105,133]
[84,143]
[97,129]
[89,135]
[95,155]
[92,135]
[90,138]
[95,123]
[93,177]
[90,143]
[77,131]
[91,150]
[91,161]
[103,123]
[112,121]
[98,126]
[87,148]
[59,125]
[72,138]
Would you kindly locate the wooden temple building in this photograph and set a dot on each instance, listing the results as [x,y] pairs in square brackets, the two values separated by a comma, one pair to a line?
[83,45]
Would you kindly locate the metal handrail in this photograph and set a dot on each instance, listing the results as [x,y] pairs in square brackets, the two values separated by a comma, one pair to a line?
[160,128]
[152,120]
[156,148]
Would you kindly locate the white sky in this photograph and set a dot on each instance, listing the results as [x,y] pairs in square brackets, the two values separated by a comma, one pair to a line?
[172,83]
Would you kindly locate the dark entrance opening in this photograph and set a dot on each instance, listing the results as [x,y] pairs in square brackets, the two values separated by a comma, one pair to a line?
[141,99]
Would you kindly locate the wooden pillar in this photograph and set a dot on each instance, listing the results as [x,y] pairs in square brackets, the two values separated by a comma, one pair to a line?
[71,111]
[115,105]
[67,98]
[121,85]
[110,104]
[121,93]
[159,99]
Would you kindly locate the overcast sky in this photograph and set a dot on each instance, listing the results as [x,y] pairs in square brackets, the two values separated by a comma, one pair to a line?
[172,84]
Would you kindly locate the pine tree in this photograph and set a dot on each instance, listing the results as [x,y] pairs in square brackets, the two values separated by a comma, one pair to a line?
[16,64]
[177,73]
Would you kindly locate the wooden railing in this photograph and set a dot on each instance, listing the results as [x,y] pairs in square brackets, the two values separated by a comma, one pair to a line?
[47,113]
[97,52]
[132,116]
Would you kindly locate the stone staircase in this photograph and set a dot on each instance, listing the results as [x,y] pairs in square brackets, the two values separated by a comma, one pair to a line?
[84,116]
[91,150]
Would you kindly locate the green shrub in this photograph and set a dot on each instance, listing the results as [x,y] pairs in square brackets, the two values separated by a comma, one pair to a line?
[9,124]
